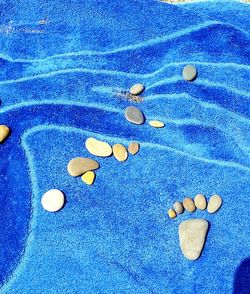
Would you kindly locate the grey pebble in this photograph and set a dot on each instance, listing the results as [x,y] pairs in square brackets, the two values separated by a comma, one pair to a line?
[189,72]
[178,207]
[134,115]
[137,89]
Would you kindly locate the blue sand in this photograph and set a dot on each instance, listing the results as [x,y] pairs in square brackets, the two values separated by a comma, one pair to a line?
[57,88]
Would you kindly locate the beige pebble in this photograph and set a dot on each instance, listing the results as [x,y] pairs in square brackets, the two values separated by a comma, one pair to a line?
[214,204]
[200,201]
[137,89]
[80,165]
[4,132]
[98,148]
[88,177]
[53,200]
[156,124]
[188,204]
[178,207]
[133,148]
[171,213]
[120,152]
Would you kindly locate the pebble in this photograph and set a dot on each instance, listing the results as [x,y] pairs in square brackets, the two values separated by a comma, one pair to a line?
[98,148]
[200,201]
[156,124]
[120,152]
[133,148]
[188,204]
[80,165]
[171,213]
[192,236]
[214,204]
[189,73]
[4,132]
[88,177]
[53,200]
[134,115]
[178,207]
[137,89]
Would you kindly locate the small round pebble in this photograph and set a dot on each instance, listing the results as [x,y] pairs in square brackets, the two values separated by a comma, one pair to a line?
[88,178]
[189,72]
[79,165]
[200,201]
[98,148]
[134,115]
[133,148]
[178,207]
[53,200]
[171,213]
[137,89]
[4,132]
[156,124]
[214,204]
[120,152]
[188,204]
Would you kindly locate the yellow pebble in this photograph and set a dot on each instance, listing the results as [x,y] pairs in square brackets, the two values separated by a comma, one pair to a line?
[171,213]
[4,132]
[88,177]
[156,124]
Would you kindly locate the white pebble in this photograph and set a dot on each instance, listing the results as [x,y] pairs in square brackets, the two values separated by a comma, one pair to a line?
[53,200]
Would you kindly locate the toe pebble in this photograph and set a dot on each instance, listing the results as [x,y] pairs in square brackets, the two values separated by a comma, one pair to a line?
[214,204]
[133,148]
[188,204]
[178,207]
[200,201]
[88,177]
[53,200]
[4,132]
[120,152]
[156,124]
[136,89]
[134,115]
[171,213]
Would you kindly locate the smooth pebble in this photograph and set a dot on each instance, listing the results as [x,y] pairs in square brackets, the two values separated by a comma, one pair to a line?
[134,115]
[214,203]
[53,200]
[200,201]
[79,165]
[192,236]
[178,207]
[137,89]
[189,72]
[171,213]
[4,132]
[188,204]
[156,124]
[133,148]
[88,177]
[98,148]
[120,152]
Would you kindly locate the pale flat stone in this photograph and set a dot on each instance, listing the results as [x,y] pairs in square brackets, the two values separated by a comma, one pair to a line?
[4,132]
[192,236]
[98,148]
[188,204]
[88,177]
[53,200]
[134,115]
[137,89]
[214,204]
[171,213]
[80,165]
[156,124]
[189,72]
[133,148]
[178,207]
[200,201]
[120,152]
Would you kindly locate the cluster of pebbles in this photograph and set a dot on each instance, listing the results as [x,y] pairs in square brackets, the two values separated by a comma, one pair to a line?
[199,202]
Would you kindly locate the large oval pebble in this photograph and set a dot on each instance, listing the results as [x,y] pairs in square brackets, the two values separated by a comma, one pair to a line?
[53,200]
[79,165]
[136,89]
[4,132]
[188,204]
[133,148]
[214,204]
[189,73]
[134,115]
[178,207]
[120,152]
[200,201]
[98,148]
